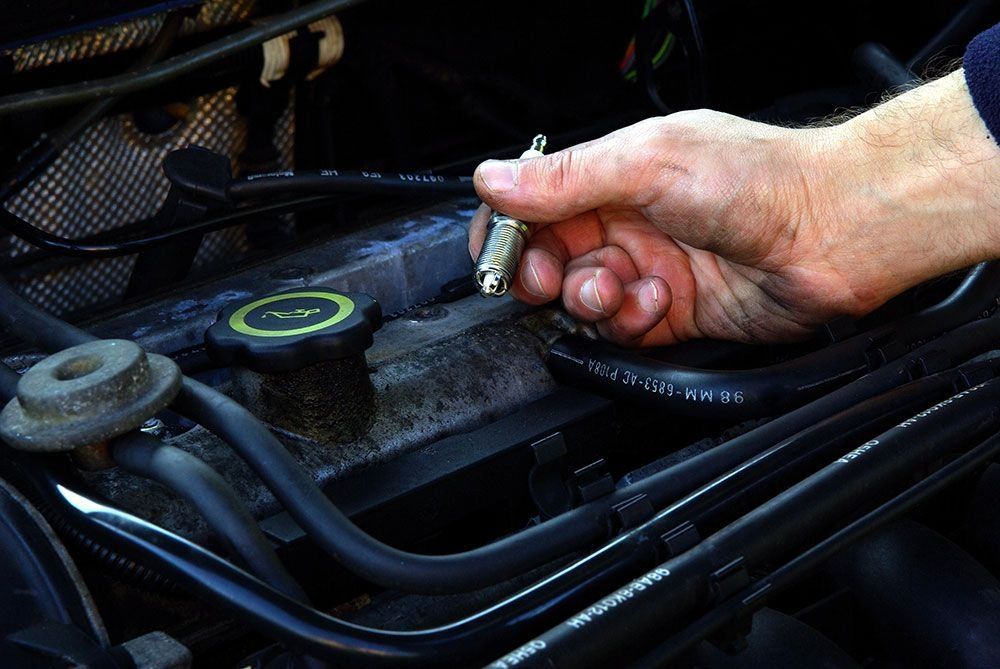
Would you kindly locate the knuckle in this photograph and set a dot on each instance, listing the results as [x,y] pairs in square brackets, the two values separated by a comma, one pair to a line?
[559,171]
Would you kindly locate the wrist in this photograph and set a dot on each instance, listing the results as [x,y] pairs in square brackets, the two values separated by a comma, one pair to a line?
[917,187]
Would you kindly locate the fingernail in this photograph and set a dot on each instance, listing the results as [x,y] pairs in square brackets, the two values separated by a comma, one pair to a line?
[649,297]
[531,280]
[500,176]
[590,297]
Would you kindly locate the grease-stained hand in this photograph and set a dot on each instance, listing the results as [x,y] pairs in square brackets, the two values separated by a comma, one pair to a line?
[702,224]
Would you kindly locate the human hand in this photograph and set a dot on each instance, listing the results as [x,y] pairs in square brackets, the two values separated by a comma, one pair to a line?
[701,224]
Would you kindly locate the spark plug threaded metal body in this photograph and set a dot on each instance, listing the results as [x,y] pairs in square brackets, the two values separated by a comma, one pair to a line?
[502,248]
[504,243]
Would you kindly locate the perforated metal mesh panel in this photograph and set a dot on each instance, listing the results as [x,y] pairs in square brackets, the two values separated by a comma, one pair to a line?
[123,36]
[112,174]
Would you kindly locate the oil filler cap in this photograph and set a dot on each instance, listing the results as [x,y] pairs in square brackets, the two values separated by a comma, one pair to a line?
[294,329]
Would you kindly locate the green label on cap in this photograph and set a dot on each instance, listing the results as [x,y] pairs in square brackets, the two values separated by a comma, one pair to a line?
[291,314]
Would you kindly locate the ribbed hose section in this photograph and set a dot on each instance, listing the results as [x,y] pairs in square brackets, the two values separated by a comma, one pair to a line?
[121,567]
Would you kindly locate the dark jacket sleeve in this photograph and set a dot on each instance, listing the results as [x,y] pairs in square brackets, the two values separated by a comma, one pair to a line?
[982,74]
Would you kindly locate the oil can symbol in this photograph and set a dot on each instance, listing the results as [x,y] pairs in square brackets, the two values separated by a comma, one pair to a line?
[294,313]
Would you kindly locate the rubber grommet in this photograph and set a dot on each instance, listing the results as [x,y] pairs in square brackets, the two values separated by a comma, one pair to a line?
[88,394]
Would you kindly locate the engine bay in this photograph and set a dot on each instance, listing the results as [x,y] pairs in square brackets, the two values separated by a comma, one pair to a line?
[259,412]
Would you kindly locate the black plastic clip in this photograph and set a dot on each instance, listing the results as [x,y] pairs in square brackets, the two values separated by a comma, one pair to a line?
[629,513]
[725,582]
[592,481]
[884,351]
[680,539]
[936,360]
[729,579]
[733,637]
[975,375]
[840,329]
[546,485]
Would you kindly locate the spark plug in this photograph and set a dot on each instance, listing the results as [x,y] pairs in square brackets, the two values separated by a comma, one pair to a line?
[505,240]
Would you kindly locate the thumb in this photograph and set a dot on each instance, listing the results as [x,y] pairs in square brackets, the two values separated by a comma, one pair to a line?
[558,186]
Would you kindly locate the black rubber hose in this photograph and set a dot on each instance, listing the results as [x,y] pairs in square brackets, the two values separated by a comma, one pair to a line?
[36,326]
[346,542]
[201,486]
[682,585]
[321,185]
[965,339]
[927,601]
[48,147]
[791,459]
[310,631]
[101,246]
[8,382]
[744,601]
[307,504]
[171,68]
[976,296]
[947,351]
[723,395]
[732,395]
[513,555]
[493,563]
[280,184]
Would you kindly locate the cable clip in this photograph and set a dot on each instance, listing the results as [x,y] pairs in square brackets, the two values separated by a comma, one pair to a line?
[592,481]
[631,512]
[936,360]
[546,484]
[729,579]
[733,637]
[680,539]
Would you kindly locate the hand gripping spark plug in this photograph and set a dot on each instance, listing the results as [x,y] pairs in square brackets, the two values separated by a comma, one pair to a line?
[505,240]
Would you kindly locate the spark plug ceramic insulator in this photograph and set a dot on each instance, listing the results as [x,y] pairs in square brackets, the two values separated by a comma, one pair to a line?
[504,243]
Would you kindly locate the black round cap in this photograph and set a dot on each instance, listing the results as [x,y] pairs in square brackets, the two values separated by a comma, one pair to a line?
[293,329]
